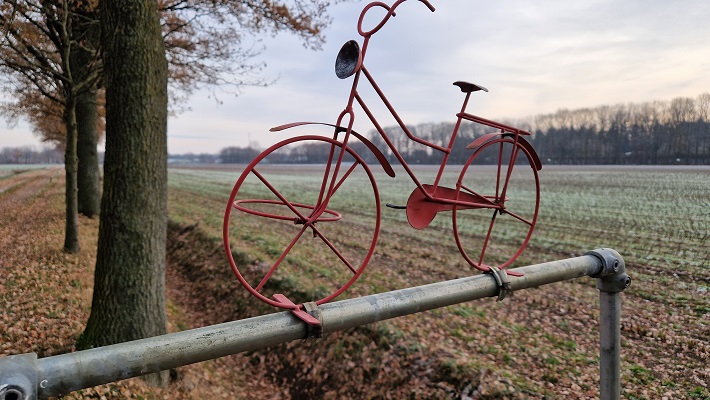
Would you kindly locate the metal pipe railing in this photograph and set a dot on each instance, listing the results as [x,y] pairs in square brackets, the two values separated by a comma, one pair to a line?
[26,377]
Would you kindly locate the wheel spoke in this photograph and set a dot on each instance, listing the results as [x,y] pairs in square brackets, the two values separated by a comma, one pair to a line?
[324,202]
[488,237]
[278,262]
[473,192]
[277,193]
[345,176]
[518,217]
[333,248]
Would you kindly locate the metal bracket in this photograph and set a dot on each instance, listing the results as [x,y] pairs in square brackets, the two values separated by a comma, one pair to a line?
[18,377]
[315,328]
[502,280]
[612,277]
[315,331]
[615,283]
[610,262]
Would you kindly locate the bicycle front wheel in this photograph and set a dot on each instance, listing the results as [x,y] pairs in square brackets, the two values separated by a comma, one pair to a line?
[303,243]
[495,232]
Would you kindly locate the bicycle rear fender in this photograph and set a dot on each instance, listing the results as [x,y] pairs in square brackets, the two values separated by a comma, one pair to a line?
[378,154]
[489,136]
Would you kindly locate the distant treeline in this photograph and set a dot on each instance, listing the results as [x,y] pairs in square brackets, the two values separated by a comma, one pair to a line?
[659,132]
[672,132]
[30,155]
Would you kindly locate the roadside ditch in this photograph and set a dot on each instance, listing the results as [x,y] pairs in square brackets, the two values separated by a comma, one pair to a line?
[372,361]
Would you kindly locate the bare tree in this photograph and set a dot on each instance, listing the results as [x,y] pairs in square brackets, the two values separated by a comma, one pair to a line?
[208,43]
[216,43]
[37,39]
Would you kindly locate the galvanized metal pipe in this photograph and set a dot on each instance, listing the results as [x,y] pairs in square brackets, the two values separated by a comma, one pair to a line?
[610,346]
[611,282]
[364,310]
[65,373]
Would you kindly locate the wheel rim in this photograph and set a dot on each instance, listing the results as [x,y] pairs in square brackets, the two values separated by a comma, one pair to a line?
[497,236]
[302,246]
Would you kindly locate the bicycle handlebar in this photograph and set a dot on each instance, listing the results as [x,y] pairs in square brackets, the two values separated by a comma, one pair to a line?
[390,13]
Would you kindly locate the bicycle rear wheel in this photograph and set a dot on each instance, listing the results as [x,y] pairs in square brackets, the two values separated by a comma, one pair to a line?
[501,171]
[303,247]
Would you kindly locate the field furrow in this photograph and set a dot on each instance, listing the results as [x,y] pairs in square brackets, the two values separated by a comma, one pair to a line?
[543,341]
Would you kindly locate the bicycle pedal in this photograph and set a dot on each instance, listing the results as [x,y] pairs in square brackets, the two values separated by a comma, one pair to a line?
[396,207]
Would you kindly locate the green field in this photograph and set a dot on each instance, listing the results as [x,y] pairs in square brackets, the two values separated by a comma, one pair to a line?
[542,340]
[12,169]
[658,218]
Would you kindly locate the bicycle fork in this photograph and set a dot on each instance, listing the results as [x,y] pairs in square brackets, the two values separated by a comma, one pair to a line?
[330,183]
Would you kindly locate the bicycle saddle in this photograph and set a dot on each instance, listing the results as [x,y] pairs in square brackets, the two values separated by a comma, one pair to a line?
[468,87]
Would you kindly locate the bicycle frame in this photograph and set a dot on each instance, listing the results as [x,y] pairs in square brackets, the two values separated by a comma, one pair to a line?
[425,201]
[350,62]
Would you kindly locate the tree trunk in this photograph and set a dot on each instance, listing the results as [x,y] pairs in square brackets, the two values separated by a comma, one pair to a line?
[129,281]
[88,177]
[71,231]
[81,59]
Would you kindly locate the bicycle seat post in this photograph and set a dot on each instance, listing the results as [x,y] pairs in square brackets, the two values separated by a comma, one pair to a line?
[468,88]
[465,103]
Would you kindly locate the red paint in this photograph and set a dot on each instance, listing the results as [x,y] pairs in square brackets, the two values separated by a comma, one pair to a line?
[426,200]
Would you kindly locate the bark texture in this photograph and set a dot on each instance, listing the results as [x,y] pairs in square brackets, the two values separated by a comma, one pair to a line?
[129,287]
[88,176]
[71,232]
[82,62]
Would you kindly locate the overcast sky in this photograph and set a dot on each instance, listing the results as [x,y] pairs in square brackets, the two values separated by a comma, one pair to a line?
[535,57]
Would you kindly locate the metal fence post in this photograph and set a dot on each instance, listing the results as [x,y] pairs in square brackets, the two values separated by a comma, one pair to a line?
[611,281]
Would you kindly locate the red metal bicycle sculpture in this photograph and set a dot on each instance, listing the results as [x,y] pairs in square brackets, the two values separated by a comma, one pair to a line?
[494,202]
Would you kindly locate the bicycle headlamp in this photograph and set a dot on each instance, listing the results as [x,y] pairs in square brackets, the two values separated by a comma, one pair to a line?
[349,60]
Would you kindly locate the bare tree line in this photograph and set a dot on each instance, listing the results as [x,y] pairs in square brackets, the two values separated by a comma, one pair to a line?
[31,155]
[657,132]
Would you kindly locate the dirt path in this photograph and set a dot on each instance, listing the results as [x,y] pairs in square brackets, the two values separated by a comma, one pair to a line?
[42,296]
[45,294]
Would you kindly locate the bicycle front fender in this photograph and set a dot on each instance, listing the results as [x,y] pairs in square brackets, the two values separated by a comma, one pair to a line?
[489,136]
[378,154]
